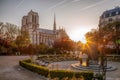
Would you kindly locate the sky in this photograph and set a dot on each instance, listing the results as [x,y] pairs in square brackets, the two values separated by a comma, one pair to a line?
[76,16]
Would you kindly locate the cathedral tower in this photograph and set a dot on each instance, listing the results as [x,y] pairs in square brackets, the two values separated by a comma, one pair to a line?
[54,25]
[30,21]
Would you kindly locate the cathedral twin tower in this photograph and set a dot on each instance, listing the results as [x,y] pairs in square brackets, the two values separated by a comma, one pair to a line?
[38,35]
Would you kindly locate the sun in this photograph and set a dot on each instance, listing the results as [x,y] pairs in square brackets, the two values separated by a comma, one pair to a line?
[78,34]
[80,38]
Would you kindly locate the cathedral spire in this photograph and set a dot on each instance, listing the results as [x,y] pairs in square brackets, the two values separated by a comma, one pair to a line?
[54,25]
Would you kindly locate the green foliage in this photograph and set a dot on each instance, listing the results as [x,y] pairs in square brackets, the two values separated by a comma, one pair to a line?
[70,74]
[7,47]
[23,39]
[118,41]
[42,48]
[100,77]
[8,33]
[61,73]
[3,50]
[87,75]
[35,68]
[51,50]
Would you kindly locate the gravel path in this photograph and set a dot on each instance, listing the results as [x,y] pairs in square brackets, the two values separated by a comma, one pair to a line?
[10,69]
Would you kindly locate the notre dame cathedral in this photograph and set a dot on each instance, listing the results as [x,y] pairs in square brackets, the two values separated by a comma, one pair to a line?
[38,35]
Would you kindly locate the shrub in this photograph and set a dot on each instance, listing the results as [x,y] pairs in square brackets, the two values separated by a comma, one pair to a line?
[70,74]
[61,74]
[27,60]
[100,77]
[88,75]
[35,68]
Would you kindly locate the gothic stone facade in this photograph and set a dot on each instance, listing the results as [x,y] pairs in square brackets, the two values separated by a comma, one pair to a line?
[38,35]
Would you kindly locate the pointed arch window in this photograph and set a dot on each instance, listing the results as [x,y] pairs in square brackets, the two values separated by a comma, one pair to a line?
[32,18]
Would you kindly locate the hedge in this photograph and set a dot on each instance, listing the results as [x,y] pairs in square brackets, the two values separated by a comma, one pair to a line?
[70,74]
[55,73]
[61,74]
[35,68]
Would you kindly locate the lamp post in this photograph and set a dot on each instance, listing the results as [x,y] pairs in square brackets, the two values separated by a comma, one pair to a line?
[103,64]
[103,56]
[116,38]
[103,60]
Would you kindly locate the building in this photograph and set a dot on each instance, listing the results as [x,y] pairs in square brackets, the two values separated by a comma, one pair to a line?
[109,16]
[38,35]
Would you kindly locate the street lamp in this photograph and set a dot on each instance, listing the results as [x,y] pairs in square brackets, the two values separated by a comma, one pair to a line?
[103,64]
[116,38]
[103,60]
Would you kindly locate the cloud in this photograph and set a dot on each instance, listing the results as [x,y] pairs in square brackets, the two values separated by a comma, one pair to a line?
[56,5]
[71,2]
[19,4]
[93,5]
[62,4]
[76,0]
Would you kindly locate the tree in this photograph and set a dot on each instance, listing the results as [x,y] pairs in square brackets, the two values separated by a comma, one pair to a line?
[111,34]
[107,35]
[22,41]
[92,38]
[42,48]
[8,33]
[64,44]
[1,27]
[31,51]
